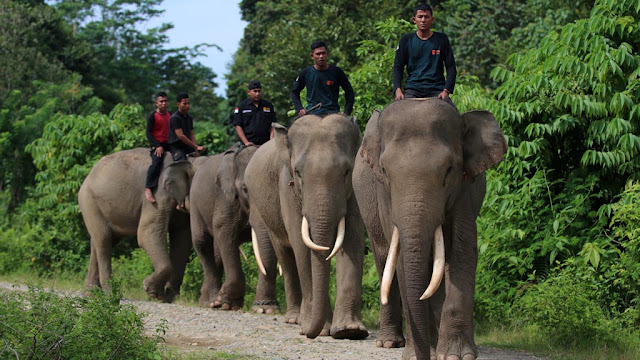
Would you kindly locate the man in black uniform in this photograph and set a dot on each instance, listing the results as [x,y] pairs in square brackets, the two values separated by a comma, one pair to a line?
[253,117]
[323,82]
[426,54]
[182,141]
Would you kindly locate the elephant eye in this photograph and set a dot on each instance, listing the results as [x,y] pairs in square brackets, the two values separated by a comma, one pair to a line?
[298,173]
[347,173]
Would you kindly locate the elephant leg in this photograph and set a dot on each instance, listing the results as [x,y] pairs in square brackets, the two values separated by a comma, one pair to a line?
[180,249]
[390,332]
[152,235]
[204,247]
[347,318]
[265,301]
[456,324]
[227,235]
[293,291]
[292,218]
[93,276]
[101,243]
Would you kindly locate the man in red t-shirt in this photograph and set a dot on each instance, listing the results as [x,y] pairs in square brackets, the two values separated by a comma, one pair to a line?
[158,135]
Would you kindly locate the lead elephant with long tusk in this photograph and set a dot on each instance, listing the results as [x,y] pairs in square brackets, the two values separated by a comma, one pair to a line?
[299,184]
[219,225]
[419,180]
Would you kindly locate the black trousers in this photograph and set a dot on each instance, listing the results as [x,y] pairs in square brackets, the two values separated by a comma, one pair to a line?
[153,174]
[179,150]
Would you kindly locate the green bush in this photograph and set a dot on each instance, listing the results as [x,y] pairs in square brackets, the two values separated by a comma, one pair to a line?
[41,324]
[565,310]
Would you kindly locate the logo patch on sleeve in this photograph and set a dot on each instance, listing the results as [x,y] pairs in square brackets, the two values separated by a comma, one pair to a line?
[235,111]
[266,109]
[330,82]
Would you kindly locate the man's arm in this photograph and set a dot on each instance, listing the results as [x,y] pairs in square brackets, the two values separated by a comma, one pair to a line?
[349,94]
[298,85]
[399,64]
[242,136]
[449,65]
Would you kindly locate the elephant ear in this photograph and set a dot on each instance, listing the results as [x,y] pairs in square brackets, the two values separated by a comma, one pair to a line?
[177,179]
[226,174]
[484,143]
[370,150]
[282,146]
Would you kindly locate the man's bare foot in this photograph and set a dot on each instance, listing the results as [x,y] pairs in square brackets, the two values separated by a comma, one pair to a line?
[149,195]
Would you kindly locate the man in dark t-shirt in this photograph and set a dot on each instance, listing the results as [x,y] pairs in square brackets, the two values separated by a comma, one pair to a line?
[426,54]
[253,116]
[323,83]
[158,136]
[182,141]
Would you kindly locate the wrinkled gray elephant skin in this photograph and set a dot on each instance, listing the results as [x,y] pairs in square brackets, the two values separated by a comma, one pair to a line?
[303,176]
[219,225]
[113,205]
[420,173]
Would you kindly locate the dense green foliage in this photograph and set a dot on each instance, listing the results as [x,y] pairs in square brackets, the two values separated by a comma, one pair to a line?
[44,325]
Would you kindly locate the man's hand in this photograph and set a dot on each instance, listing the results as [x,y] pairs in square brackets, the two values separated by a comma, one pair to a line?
[399,94]
[444,95]
[159,151]
[249,143]
[302,112]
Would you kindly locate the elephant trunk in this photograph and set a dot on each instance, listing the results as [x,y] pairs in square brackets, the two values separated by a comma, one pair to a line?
[323,231]
[415,271]
[320,306]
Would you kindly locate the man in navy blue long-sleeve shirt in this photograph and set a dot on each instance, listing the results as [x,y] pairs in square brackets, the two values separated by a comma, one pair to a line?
[323,83]
[426,54]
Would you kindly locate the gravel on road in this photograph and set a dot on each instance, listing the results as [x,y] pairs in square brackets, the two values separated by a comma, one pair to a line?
[263,336]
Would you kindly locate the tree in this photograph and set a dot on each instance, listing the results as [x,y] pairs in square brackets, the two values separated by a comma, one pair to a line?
[128,65]
[570,111]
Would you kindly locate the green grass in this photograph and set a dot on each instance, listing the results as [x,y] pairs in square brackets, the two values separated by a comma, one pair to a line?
[532,341]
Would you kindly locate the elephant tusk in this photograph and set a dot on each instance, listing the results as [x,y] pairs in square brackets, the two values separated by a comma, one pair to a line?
[280,269]
[339,239]
[307,239]
[438,265]
[244,256]
[390,267]
[256,252]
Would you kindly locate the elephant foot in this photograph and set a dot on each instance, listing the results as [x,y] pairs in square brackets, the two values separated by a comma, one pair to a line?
[409,353]
[154,291]
[351,331]
[291,317]
[459,347]
[265,307]
[169,296]
[390,341]
[325,332]
[227,304]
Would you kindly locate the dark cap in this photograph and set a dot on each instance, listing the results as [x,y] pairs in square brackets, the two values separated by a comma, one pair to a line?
[254,84]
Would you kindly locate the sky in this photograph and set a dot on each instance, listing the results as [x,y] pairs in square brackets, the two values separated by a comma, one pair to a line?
[205,21]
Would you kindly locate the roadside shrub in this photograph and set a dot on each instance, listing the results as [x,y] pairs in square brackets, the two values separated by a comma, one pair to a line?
[565,310]
[42,324]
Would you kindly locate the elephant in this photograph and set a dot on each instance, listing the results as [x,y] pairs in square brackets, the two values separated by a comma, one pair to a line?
[299,185]
[219,212]
[113,205]
[419,178]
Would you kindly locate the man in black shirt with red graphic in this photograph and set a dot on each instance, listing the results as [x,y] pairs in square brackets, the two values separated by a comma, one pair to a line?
[158,136]
[323,83]
[182,141]
[426,54]
[253,116]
